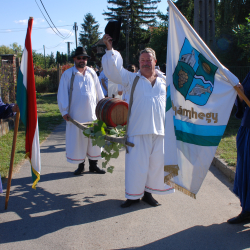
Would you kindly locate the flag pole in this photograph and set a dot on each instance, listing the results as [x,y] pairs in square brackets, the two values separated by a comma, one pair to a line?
[241,93]
[12,158]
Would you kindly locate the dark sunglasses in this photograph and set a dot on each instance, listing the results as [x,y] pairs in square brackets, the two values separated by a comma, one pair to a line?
[82,57]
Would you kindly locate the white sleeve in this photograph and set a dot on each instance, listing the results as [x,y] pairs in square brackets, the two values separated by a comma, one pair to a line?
[112,64]
[63,94]
[120,88]
[98,87]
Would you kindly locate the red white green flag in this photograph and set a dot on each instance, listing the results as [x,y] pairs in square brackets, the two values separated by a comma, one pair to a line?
[26,100]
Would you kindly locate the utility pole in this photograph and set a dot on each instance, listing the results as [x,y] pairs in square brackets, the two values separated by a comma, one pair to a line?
[127,41]
[126,15]
[68,49]
[75,28]
[44,57]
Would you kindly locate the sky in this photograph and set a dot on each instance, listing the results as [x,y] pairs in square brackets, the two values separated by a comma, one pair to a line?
[63,13]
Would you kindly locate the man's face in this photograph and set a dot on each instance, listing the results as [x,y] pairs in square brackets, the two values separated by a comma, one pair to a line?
[147,63]
[81,61]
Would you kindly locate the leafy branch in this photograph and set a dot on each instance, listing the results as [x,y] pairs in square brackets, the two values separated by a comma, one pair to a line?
[97,131]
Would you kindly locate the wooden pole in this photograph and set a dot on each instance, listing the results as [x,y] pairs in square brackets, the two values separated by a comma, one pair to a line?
[12,158]
[241,93]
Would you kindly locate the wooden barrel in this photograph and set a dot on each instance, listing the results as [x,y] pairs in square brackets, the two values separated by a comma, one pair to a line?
[112,111]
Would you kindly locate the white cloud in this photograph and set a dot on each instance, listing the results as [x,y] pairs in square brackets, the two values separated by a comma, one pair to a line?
[25,21]
[61,21]
[38,21]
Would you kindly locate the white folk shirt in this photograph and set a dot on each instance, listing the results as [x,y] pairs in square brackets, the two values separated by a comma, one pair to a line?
[125,92]
[86,89]
[148,108]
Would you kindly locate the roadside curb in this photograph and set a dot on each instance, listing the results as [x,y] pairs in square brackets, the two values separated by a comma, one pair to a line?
[220,164]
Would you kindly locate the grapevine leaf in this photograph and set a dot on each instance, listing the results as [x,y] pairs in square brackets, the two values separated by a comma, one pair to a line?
[98,134]
[103,131]
[100,142]
[108,148]
[110,169]
[113,132]
[115,147]
[103,154]
[108,157]
[115,154]
[87,131]
[104,164]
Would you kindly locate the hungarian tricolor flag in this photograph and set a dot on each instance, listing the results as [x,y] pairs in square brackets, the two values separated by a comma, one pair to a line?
[26,100]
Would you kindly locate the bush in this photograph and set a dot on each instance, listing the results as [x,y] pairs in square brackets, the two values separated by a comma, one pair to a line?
[43,84]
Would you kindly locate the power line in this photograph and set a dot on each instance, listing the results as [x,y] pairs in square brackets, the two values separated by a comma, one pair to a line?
[54,46]
[47,21]
[25,29]
[50,18]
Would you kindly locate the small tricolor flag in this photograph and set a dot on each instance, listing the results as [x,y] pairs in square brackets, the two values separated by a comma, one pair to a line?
[26,100]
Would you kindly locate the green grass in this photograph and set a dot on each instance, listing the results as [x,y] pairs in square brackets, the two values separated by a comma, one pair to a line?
[48,118]
[227,147]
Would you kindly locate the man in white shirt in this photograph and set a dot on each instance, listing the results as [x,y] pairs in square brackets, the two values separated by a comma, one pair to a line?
[80,104]
[144,163]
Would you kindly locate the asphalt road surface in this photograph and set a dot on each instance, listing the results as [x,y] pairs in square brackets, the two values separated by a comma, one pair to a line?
[83,212]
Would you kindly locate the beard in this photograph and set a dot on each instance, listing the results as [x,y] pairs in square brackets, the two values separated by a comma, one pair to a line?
[81,65]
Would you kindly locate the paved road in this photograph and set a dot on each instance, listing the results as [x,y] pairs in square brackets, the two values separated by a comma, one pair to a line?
[83,212]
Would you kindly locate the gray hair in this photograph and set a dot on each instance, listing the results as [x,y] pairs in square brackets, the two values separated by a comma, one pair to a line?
[150,51]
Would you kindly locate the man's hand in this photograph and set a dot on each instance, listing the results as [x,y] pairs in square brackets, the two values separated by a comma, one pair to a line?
[108,41]
[66,117]
[15,108]
[241,88]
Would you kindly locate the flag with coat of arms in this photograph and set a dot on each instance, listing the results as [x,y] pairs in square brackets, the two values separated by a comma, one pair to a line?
[200,97]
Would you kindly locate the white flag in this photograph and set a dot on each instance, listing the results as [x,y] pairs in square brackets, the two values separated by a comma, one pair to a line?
[199,102]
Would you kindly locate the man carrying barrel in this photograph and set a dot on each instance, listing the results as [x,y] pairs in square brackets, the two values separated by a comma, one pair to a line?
[144,163]
[78,92]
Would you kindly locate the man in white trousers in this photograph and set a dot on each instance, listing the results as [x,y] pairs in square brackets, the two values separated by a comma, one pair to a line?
[144,163]
[84,96]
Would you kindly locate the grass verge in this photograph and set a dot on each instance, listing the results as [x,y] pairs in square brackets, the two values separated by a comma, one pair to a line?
[227,148]
[49,117]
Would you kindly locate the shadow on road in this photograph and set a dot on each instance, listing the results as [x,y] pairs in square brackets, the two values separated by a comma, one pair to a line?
[216,237]
[39,212]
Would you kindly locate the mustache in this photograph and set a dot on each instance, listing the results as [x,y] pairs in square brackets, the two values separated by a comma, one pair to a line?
[146,66]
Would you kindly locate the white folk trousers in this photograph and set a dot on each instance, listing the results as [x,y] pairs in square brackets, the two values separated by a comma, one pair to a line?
[79,146]
[144,167]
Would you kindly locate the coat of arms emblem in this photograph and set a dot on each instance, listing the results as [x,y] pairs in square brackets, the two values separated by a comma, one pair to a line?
[194,75]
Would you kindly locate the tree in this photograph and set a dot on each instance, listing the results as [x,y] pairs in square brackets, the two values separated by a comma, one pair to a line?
[159,33]
[14,48]
[38,59]
[137,16]
[242,34]
[186,7]
[52,61]
[89,34]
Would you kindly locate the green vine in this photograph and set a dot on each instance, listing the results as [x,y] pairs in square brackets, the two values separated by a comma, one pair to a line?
[97,131]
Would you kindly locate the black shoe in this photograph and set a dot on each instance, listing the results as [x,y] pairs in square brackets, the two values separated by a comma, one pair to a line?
[80,169]
[94,168]
[128,203]
[242,217]
[148,198]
